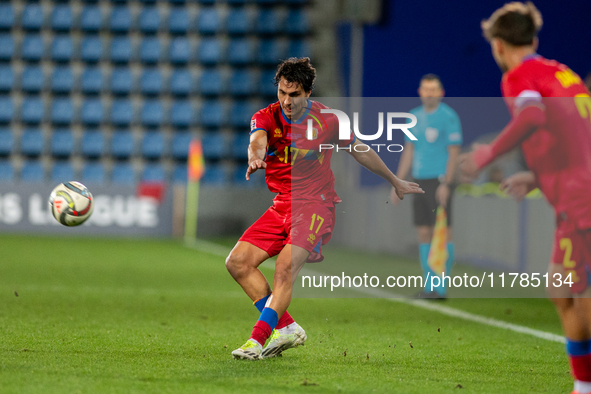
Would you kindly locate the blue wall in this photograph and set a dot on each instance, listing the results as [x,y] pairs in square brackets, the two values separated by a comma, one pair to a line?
[418,37]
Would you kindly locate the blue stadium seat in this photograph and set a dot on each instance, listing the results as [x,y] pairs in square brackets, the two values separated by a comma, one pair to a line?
[270,22]
[91,19]
[32,142]
[91,80]
[148,1]
[62,49]
[211,83]
[180,145]
[151,82]
[239,178]
[32,110]
[121,81]
[150,50]
[299,48]
[267,83]
[62,171]
[241,52]
[6,109]
[240,146]
[214,146]
[61,18]
[241,113]
[32,79]
[265,3]
[122,144]
[6,16]
[32,17]
[210,51]
[153,172]
[6,47]
[298,23]
[206,2]
[92,112]
[153,145]
[62,111]
[237,3]
[209,21]
[91,49]
[239,22]
[32,171]
[123,173]
[181,113]
[120,20]
[6,171]
[94,173]
[215,175]
[92,144]
[178,21]
[243,83]
[152,114]
[177,2]
[6,78]
[62,143]
[271,52]
[6,141]
[149,20]
[213,114]
[181,82]
[180,50]
[121,50]
[62,80]
[179,173]
[296,3]
[33,48]
[122,112]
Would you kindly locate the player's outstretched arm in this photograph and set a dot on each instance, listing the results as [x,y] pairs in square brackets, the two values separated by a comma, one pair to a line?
[257,150]
[370,160]
[525,122]
[519,184]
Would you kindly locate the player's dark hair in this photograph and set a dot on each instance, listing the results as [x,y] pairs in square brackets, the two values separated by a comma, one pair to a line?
[298,70]
[431,77]
[515,23]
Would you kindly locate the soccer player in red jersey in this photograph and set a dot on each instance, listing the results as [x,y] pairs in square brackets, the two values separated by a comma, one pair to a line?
[303,212]
[551,121]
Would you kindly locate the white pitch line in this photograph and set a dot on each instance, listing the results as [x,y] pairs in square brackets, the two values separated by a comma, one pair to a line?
[221,251]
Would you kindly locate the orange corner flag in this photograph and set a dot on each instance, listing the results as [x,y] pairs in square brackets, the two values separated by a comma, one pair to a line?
[438,254]
[196,164]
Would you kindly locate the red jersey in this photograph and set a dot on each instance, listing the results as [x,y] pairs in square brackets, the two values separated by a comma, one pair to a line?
[559,153]
[298,168]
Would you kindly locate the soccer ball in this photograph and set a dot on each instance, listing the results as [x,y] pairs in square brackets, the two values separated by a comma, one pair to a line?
[71,203]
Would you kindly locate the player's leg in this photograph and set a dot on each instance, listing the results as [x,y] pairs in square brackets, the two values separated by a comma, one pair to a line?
[242,263]
[424,206]
[451,250]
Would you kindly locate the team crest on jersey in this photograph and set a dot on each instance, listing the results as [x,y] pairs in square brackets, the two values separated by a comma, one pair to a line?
[431,134]
[253,124]
[277,133]
[314,134]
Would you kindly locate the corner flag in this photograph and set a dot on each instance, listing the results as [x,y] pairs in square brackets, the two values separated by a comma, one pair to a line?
[438,253]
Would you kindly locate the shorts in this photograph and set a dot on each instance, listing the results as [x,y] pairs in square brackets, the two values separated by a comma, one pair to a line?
[425,205]
[572,249]
[305,224]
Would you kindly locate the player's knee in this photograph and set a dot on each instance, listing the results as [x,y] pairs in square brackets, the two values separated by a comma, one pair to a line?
[561,303]
[237,264]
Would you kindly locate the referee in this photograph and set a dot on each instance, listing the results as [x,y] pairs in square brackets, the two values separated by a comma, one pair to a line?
[433,159]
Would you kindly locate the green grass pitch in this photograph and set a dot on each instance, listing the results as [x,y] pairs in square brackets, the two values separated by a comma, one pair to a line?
[109,316]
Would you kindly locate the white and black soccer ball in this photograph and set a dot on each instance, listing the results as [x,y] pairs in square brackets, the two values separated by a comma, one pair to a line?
[71,203]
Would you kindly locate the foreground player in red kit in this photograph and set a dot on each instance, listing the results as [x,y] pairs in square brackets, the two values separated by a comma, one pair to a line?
[551,121]
[303,212]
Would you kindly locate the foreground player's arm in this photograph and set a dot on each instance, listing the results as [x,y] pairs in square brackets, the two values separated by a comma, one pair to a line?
[374,163]
[519,184]
[525,122]
[257,150]
[404,166]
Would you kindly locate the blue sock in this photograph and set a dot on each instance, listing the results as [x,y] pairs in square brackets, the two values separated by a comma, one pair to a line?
[260,304]
[448,265]
[424,256]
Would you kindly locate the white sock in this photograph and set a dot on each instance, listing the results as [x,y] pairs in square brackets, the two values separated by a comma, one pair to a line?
[582,387]
[289,329]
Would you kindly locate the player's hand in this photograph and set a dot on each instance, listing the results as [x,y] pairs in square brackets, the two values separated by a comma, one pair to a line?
[442,194]
[394,197]
[518,185]
[253,166]
[404,187]
[468,166]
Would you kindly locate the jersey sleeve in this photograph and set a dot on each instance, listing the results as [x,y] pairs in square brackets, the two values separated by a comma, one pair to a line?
[454,130]
[260,121]
[520,90]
